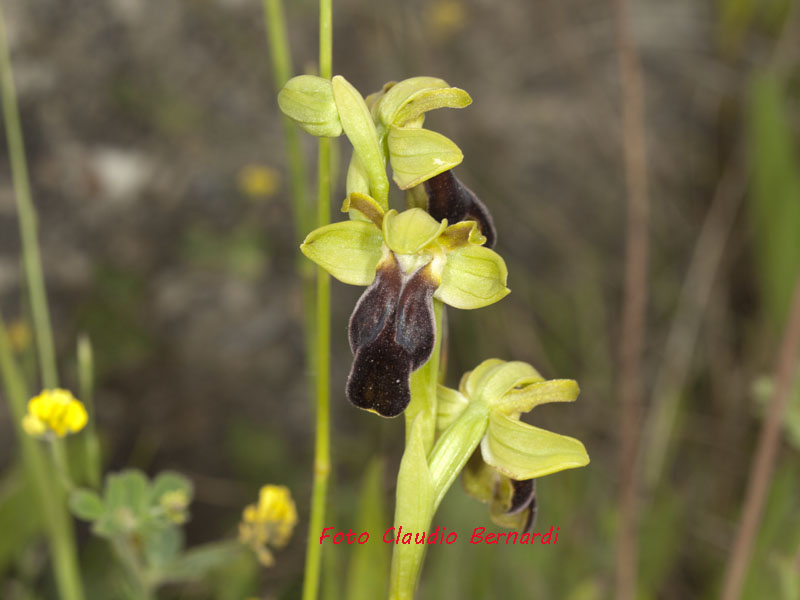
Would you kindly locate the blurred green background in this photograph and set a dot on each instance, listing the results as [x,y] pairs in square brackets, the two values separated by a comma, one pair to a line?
[157,162]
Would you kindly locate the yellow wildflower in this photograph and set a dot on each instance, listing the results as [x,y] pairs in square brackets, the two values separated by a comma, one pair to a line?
[20,335]
[258,181]
[270,522]
[54,411]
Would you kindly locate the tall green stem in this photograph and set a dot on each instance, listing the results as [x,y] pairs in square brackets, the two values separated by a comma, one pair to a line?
[322,460]
[280,54]
[27,217]
[49,495]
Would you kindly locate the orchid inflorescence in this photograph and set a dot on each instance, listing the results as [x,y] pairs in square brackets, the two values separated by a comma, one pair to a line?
[438,250]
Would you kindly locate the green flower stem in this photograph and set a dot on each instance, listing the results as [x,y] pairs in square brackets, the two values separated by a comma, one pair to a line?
[423,387]
[322,451]
[27,217]
[275,23]
[50,498]
[58,452]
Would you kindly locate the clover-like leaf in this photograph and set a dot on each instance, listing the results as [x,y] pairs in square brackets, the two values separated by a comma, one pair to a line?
[419,154]
[473,277]
[308,100]
[349,250]
[411,230]
[522,451]
[86,504]
[359,127]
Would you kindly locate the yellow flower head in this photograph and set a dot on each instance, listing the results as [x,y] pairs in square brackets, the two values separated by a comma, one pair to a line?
[55,411]
[270,522]
[258,181]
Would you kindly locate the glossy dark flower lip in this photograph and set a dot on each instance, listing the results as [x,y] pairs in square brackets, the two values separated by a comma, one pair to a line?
[392,333]
[450,199]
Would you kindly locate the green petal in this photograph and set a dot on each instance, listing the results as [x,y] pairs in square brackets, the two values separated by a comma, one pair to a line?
[450,404]
[400,93]
[309,101]
[521,451]
[503,379]
[359,127]
[419,154]
[349,250]
[473,277]
[524,399]
[430,99]
[461,234]
[411,230]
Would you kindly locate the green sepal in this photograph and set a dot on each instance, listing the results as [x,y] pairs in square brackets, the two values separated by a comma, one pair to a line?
[398,95]
[522,451]
[413,511]
[472,379]
[410,231]
[450,404]
[348,250]
[417,155]
[308,100]
[473,277]
[505,378]
[527,397]
[359,127]
[365,206]
[427,100]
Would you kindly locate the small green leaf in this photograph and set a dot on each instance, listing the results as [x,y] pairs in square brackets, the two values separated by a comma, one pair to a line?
[349,250]
[359,127]
[430,99]
[411,230]
[86,505]
[522,451]
[401,93]
[473,277]
[503,379]
[417,155]
[161,545]
[308,100]
[128,489]
[529,396]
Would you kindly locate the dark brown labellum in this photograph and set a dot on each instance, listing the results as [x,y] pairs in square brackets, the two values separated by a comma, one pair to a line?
[450,199]
[392,332]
